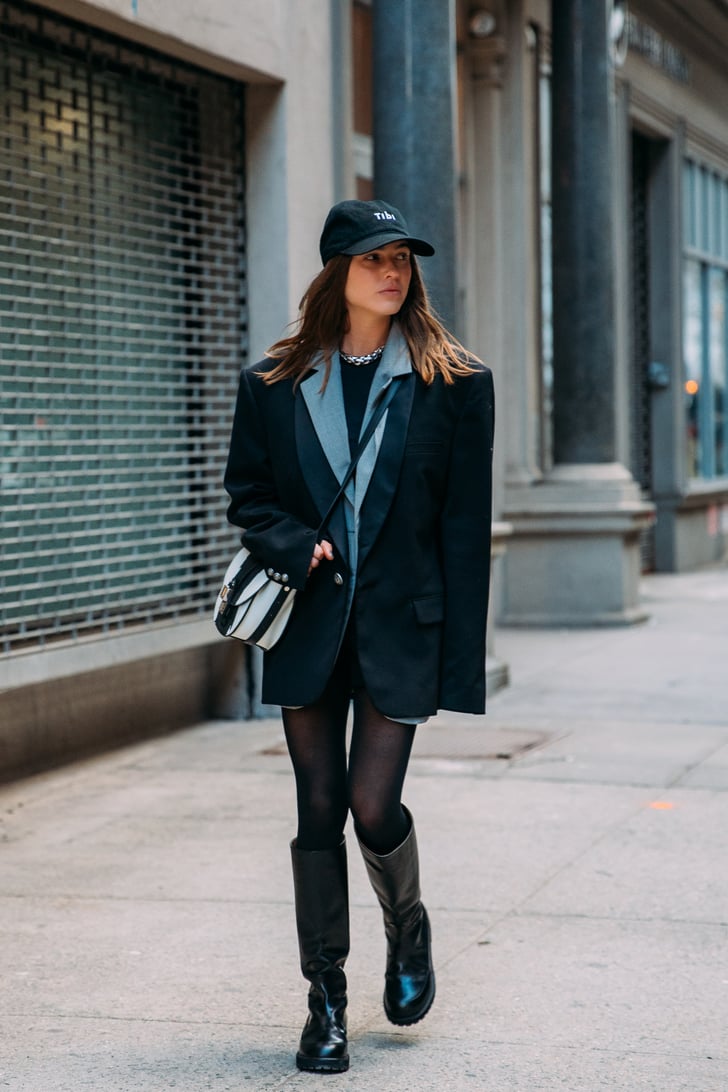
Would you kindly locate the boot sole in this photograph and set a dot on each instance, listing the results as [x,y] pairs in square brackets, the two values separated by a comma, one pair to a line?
[322,1065]
[419,1015]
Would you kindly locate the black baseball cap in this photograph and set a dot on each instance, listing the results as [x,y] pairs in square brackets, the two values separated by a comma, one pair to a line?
[356,227]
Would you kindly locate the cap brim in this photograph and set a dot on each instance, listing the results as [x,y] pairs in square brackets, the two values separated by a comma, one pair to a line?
[417,246]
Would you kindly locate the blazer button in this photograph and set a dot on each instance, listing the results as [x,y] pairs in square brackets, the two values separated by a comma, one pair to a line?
[338,579]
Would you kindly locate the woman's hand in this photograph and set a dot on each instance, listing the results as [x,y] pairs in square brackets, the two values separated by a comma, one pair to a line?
[322,551]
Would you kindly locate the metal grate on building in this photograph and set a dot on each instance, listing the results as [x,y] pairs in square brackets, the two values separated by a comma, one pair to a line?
[121,329]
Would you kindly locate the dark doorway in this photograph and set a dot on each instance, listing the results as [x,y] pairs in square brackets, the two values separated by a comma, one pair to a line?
[642,379]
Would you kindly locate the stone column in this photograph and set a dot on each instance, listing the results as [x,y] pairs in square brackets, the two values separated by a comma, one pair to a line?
[483,215]
[341,81]
[582,146]
[574,556]
[414,130]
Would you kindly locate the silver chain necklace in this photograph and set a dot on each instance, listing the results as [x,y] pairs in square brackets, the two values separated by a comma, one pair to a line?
[357,361]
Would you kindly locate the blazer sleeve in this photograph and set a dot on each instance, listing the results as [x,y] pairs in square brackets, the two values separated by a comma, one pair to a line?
[271,534]
[465,544]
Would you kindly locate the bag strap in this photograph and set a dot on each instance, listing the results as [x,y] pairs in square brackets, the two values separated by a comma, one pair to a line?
[378,411]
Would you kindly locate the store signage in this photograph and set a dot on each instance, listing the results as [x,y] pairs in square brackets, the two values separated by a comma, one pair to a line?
[651,45]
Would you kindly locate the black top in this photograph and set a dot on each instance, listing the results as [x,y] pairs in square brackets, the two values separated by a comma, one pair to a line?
[356,383]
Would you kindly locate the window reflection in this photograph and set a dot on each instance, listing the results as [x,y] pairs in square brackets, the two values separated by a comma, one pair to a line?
[718,366]
[705,329]
[692,353]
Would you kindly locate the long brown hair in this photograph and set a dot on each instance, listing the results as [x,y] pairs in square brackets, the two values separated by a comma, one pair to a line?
[323,321]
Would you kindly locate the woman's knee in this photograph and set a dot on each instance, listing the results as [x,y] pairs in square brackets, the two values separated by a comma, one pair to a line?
[369,813]
[321,808]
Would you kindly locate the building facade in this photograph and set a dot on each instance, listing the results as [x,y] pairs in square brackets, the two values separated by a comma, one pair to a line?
[165,169]
[164,175]
[630,476]
[674,190]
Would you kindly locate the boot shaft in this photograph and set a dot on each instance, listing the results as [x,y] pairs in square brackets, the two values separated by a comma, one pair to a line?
[395,877]
[410,979]
[321,890]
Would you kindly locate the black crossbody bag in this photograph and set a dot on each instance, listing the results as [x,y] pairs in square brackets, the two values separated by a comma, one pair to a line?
[254,603]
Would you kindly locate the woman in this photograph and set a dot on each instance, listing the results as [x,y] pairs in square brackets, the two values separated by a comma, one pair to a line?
[392,601]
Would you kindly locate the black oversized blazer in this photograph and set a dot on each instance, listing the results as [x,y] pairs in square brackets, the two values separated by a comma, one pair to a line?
[421,590]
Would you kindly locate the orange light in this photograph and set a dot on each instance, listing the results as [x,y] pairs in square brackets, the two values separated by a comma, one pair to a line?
[691,386]
[661,805]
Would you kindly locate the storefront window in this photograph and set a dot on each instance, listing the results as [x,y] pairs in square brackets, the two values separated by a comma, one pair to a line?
[705,329]
[692,354]
[717,349]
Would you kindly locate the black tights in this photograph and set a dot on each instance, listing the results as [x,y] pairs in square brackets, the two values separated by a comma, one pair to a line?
[371,785]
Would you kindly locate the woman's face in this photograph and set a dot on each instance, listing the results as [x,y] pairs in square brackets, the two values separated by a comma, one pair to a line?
[378,282]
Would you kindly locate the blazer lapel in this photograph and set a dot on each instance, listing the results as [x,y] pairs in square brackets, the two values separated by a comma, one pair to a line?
[321,435]
[378,471]
[326,410]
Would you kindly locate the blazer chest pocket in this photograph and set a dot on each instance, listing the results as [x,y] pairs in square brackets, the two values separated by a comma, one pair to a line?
[429,609]
[423,447]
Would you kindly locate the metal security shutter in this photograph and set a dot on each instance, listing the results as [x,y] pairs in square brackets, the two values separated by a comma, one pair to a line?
[121,329]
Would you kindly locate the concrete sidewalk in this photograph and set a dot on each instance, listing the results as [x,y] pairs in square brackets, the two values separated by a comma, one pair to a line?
[575,864]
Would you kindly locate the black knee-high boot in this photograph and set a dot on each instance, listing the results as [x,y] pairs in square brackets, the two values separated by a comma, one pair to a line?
[322,915]
[409,988]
